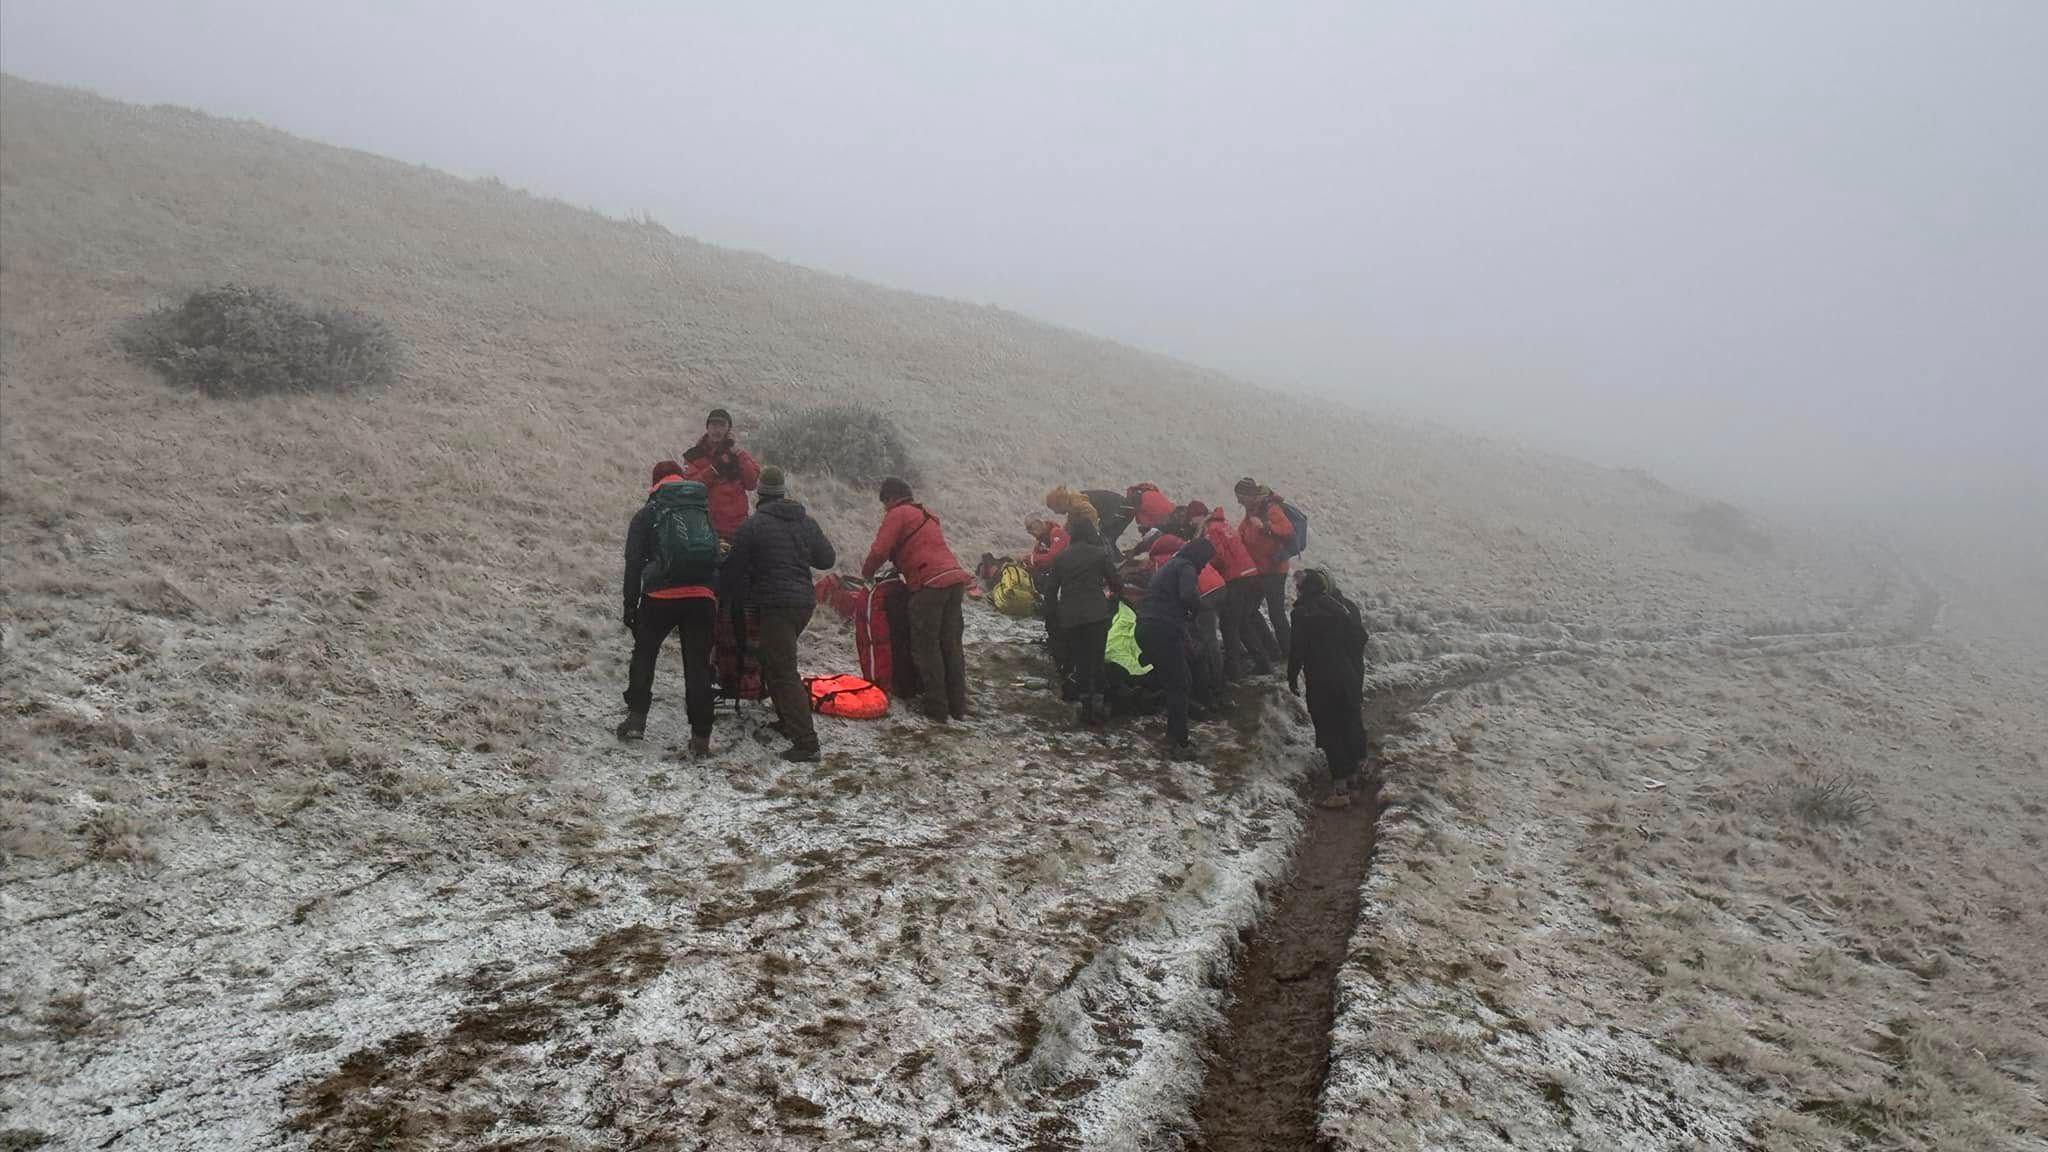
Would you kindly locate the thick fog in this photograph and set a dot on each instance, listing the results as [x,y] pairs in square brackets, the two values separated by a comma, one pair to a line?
[1763,249]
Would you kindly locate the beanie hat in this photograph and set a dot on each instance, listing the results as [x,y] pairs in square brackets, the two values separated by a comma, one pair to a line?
[1247,487]
[1197,510]
[771,482]
[662,471]
[718,414]
[894,489]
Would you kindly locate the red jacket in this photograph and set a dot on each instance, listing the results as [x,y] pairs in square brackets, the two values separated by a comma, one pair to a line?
[726,495]
[1153,506]
[1048,548]
[1262,530]
[912,538]
[1207,581]
[1231,558]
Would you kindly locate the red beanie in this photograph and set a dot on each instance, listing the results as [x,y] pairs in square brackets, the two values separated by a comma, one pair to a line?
[663,471]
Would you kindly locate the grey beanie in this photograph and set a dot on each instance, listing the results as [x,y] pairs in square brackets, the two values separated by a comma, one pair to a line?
[771,482]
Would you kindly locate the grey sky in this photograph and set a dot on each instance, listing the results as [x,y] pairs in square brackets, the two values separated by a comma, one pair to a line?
[1750,245]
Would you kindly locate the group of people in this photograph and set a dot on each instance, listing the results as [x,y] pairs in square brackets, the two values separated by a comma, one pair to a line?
[1205,601]
[700,563]
[1197,604]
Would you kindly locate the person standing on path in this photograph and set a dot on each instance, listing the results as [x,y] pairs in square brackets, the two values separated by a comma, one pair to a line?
[1166,638]
[768,572]
[1266,532]
[725,469]
[1329,645]
[912,539]
[1082,590]
[671,561]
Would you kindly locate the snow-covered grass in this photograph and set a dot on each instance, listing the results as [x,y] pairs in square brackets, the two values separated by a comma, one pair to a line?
[312,831]
[1777,891]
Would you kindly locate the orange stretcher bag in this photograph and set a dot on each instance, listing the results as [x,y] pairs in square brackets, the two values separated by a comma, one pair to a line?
[848,697]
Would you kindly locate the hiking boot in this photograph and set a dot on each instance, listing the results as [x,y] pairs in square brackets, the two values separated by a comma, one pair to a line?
[1182,753]
[964,715]
[797,754]
[1338,799]
[700,746]
[633,727]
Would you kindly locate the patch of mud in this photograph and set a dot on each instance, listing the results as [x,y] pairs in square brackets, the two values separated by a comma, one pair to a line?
[1266,1070]
[411,1091]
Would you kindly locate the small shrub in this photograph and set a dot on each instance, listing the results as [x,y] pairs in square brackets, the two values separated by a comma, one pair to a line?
[847,441]
[1822,797]
[1717,526]
[235,340]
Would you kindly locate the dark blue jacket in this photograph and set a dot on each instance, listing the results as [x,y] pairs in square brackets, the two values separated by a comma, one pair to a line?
[1175,594]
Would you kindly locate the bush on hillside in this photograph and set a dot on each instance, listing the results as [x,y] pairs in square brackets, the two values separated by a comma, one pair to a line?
[235,340]
[846,441]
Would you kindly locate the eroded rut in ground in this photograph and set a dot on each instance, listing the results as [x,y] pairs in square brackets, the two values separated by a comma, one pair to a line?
[1266,1071]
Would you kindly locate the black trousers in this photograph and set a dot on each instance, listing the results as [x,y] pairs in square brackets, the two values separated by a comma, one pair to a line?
[1273,588]
[935,631]
[781,628]
[1246,639]
[1084,645]
[655,620]
[1164,645]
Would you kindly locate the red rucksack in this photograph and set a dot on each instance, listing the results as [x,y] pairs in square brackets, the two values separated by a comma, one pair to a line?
[849,697]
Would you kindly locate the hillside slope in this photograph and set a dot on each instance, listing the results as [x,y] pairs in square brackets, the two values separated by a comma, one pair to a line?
[314,828]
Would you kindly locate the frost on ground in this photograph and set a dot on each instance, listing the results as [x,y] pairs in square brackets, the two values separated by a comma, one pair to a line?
[312,832]
[1771,888]
[982,934]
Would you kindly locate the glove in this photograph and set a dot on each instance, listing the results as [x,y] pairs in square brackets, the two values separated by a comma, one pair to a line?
[727,465]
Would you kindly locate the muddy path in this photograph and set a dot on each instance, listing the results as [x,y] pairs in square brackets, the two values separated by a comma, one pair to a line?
[1266,1069]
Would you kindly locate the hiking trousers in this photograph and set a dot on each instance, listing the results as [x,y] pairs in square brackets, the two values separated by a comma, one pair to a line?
[652,622]
[1164,645]
[1246,639]
[935,628]
[780,629]
[1273,590]
[1085,644]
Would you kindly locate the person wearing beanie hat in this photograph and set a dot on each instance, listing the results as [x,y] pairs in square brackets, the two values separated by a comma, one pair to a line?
[1244,631]
[768,573]
[668,591]
[663,469]
[912,539]
[1265,531]
[725,469]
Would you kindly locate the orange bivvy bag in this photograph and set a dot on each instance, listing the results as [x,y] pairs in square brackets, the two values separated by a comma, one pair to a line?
[848,697]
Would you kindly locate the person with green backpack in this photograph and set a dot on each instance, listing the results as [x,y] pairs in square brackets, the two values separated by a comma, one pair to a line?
[671,566]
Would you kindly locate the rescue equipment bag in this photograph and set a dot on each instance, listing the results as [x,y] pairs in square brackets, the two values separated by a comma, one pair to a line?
[848,697]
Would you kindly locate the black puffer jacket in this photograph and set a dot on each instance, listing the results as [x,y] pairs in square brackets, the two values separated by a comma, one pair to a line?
[1079,587]
[772,557]
[1112,513]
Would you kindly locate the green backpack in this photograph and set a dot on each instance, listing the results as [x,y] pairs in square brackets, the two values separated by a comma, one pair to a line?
[685,547]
